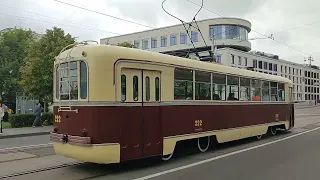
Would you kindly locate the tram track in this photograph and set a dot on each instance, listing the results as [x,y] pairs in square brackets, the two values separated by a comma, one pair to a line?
[24,148]
[42,170]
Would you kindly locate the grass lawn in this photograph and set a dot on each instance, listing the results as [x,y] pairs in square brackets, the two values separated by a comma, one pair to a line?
[6,125]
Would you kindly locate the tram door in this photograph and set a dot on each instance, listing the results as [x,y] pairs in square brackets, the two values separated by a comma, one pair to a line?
[140,123]
[152,131]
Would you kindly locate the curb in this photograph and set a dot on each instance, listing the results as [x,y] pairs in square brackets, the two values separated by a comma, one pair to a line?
[23,135]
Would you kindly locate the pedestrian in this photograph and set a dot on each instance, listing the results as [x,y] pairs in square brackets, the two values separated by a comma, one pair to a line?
[1,111]
[6,115]
[37,113]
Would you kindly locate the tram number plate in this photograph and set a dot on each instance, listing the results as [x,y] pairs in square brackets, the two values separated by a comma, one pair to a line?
[57,118]
[198,123]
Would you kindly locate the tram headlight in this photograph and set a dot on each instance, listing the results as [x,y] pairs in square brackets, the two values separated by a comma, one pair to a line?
[55,129]
[84,133]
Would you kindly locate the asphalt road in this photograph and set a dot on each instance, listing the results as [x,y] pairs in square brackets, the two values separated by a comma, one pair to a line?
[24,141]
[294,158]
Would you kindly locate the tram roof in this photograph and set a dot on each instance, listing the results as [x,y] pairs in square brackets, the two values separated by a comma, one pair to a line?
[138,54]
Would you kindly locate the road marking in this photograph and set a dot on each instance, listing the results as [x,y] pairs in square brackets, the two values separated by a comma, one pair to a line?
[222,156]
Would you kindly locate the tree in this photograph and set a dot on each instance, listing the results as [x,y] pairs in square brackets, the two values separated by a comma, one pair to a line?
[14,43]
[37,79]
[126,44]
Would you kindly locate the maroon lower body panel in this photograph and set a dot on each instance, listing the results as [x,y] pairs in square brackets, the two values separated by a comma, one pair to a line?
[140,130]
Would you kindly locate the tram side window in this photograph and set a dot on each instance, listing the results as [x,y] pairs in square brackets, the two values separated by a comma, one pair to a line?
[83,80]
[281,91]
[219,86]
[245,89]
[147,88]
[135,88]
[256,90]
[157,89]
[183,84]
[73,81]
[57,82]
[202,85]
[265,91]
[274,91]
[233,88]
[123,87]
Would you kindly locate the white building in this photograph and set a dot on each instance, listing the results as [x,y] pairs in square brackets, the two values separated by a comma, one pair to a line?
[232,49]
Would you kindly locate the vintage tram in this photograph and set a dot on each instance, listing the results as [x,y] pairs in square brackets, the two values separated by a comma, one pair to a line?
[113,104]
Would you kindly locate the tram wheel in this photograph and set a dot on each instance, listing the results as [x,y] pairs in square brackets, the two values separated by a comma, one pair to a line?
[259,136]
[167,157]
[204,145]
[273,130]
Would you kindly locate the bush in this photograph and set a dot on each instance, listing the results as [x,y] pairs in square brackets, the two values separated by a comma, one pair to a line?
[26,120]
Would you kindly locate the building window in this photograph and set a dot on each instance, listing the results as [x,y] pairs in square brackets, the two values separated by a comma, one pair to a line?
[260,64]
[254,63]
[232,59]
[194,36]
[183,38]
[239,60]
[245,61]
[270,66]
[265,65]
[164,41]
[275,67]
[136,44]
[145,44]
[153,43]
[173,40]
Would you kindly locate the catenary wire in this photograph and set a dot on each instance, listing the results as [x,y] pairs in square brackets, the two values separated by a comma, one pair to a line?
[251,29]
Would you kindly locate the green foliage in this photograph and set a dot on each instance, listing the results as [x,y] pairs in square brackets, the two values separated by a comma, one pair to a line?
[26,120]
[37,71]
[13,49]
[125,44]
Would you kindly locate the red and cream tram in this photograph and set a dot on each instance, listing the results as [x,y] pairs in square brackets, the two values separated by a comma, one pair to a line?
[113,104]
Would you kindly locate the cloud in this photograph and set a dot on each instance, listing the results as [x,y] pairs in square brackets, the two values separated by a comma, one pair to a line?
[266,17]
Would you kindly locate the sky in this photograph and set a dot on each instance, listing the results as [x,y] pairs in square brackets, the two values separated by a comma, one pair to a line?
[294,24]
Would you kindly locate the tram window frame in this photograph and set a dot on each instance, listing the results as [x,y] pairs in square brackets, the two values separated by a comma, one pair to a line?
[265,90]
[147,85]
[83,80]
[245,87]
[256,89]
[135,88]
[73,70]
[281,91]
[157,88]
[183,81]
[219,86]
[274,91]
[123,87]
[232,88]
[202,83]
[57,82]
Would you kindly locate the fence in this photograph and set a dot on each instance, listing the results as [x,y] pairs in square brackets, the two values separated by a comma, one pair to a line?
[25,105]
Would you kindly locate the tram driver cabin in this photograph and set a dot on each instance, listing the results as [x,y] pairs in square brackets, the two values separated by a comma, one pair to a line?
[114,104]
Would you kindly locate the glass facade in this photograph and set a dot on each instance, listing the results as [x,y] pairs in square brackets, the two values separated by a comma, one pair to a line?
[228,32]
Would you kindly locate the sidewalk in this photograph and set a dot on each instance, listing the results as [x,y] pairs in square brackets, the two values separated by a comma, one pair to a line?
[23,132]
